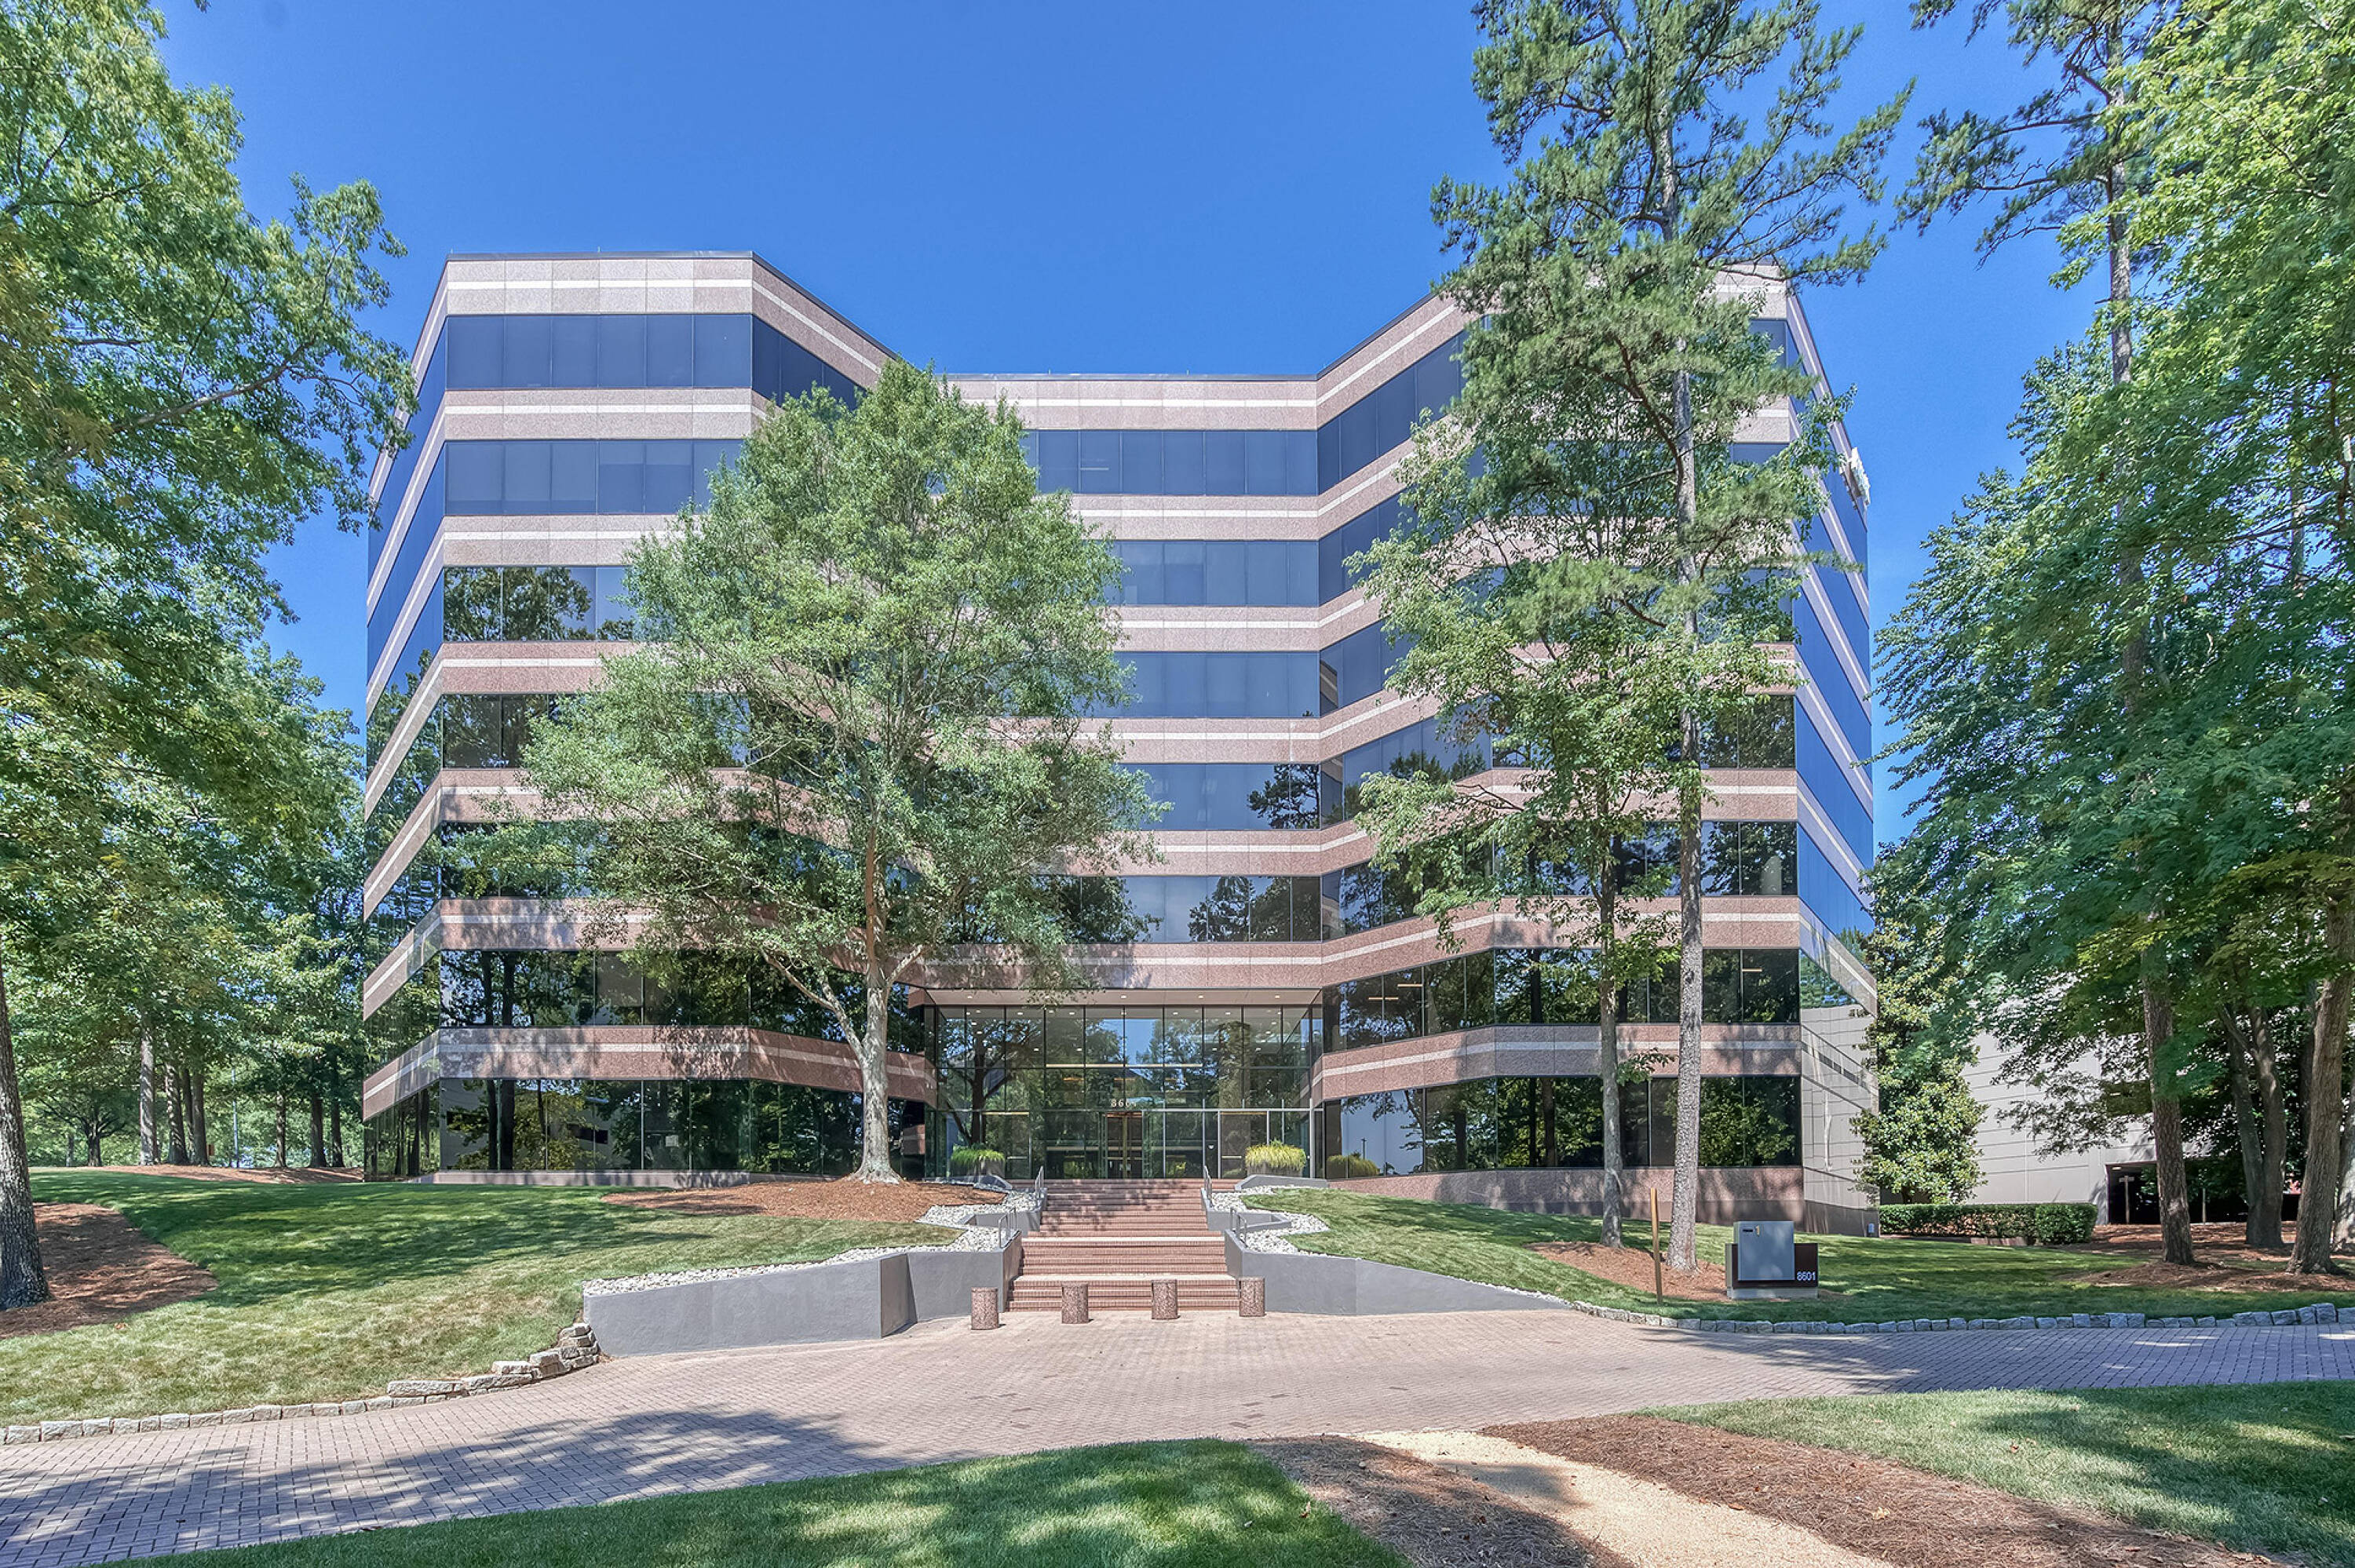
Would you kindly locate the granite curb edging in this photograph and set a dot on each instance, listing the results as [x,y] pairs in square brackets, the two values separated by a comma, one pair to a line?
[2321,1312]
[575,1348]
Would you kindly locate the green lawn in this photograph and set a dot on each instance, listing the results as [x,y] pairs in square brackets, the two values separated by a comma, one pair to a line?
[328,1291]
[1158,1505]
[1877,1279]
[2263,1468]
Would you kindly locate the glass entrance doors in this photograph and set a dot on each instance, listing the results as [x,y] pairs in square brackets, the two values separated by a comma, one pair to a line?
[1124,1145]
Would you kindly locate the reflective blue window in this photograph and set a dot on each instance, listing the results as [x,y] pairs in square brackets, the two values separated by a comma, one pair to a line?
[512,477]
[1354,538]
[1174,462]
[1386,417]
[1826,674]
[1826,781]
[1827,895]
[1356,667]
[1221,685]
[1217,571]
[404,462]
[1228,796]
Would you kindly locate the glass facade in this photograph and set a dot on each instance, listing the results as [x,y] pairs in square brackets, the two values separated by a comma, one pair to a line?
[1505,1123]
[606,1126]
[1551,986]
[1125,1091]
[1217,571]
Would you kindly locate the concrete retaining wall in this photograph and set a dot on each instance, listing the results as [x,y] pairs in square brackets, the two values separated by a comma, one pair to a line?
[869,1298]
[1354,1287]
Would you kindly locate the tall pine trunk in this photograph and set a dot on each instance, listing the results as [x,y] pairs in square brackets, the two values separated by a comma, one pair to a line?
[336,1129]
[1606,1044]
[282,1128]
[318,1129]
[23,1281]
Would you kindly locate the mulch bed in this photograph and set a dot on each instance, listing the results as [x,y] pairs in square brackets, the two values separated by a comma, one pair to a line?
[1875,1507]
[1432,1517]
[101,1268]
[848,1198]
[2226,1261]
[1632,1266]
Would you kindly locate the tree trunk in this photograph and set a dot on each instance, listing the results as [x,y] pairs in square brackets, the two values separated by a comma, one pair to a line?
[2245,1130]
[318,1129]
[336,1129]
[2318,1203]
[503,1129]
[22,1279]
[1684,1201]
[198,1126]
[146,1094]
[2165,1119]
[176,1106]
[281,1129]
[874,1162]
[1607,1053]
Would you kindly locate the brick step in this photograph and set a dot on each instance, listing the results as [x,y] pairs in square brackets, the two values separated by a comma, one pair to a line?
[1174,1225]
[1195,1292]
[1126,1260]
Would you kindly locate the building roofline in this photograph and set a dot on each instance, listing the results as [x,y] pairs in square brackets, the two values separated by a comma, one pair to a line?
[880,347]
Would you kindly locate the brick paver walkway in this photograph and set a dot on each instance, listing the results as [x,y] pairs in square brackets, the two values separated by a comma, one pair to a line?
[636,1428]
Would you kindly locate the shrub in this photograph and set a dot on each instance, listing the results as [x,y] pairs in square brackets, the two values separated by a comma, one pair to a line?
[2064,1225]
[2048,1225]
[974,1160]
[1349,1167]
[1274,1160]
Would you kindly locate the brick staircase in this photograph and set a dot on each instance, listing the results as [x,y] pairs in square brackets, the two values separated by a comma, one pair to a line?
[1119,1237]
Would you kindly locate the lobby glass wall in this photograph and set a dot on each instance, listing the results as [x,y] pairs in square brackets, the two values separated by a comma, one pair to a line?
[613,1126]
[1502,1124]
[1125,1091]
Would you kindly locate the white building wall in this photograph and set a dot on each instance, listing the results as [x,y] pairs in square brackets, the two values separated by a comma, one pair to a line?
[2013,1169]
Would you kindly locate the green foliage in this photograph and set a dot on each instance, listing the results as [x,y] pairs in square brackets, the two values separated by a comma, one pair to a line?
[1589,593]
[327,1291]
[2258,1466]
[857,737]
[2064,1225]
[2049,1225]
[973,1160]
[1165,1505]
[180,382]
[1350,1168]
[1276,1160]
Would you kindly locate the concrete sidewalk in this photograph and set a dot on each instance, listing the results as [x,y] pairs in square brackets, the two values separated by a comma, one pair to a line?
[672,1423]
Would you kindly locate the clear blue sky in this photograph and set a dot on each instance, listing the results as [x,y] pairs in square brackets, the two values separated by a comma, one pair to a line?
[1207,187]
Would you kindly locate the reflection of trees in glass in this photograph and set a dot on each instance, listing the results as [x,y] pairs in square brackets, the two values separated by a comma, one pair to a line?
[1757,859]
[1764,735]
[1293,797]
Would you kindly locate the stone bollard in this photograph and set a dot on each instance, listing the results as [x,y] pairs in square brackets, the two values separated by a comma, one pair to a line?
[1164,1300]
[1250,1297]
[985,1307]
[1075,1302]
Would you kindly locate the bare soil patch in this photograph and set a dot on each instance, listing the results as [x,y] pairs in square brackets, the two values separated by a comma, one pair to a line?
[303,1175]
[1874,1507]
[101,1268]
[842,1200]
[2226,1261]
[1427,1515]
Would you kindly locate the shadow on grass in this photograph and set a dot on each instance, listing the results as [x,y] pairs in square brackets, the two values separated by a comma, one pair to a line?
[2257,1467]
[1172,1505]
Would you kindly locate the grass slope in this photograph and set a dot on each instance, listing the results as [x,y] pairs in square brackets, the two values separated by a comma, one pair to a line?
[1158,1505]
[1878,1279]
[328,1291]
[2261,1467]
